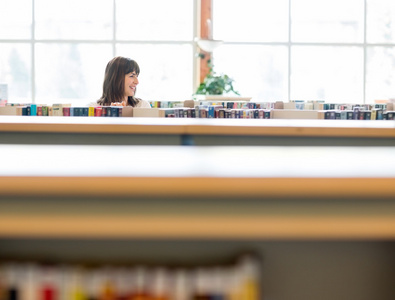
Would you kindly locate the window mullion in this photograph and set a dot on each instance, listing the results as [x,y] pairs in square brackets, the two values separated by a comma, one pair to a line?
[33,53]
[205,14]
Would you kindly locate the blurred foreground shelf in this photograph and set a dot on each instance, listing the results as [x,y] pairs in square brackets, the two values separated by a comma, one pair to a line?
[198,192]
[323,218]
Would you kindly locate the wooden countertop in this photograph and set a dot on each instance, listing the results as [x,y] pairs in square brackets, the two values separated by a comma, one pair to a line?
[249,127]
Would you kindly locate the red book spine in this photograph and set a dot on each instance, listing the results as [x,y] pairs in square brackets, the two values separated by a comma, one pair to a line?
[98,111]
[66,111]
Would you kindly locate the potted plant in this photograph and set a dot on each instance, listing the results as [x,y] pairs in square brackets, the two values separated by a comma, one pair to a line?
[214,84]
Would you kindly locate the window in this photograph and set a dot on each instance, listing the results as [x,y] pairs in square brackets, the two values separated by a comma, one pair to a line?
[56,51]
[337,51]
[333,50]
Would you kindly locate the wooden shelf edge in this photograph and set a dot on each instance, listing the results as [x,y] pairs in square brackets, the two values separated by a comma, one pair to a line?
[200,127]
[293,131]
[185,227]
[197,187]
[94,128]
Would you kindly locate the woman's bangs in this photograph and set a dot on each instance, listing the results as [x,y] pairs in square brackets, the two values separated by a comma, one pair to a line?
[133,67]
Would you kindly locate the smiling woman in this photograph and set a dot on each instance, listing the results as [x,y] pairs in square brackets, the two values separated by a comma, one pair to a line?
[120,83]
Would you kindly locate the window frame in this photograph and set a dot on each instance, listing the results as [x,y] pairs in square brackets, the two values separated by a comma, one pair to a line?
[203,10]
[365,45]
[33,41]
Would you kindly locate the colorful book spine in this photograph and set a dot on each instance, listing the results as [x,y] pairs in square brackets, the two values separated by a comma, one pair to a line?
[85,111]
[53,282]
[33,110]
[66,111]
[98,111]
[45,110]
[39,110]
[114,111]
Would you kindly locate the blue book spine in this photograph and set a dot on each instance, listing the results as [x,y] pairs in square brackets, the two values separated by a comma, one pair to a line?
[109,111]
[114,111]
[210,113]
[33,110]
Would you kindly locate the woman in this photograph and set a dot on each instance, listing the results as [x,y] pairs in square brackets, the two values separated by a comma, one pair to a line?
[120,82]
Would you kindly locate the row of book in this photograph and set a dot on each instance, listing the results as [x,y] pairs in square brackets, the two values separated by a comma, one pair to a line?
[238,104]
[32,281]
[231,110]
[273,110]
[166,104]
[298,105]
[65,110]
[357,114]
[216,111]
[320,105]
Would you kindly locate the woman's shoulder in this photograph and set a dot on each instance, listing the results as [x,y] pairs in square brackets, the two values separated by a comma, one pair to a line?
[94,103]
[142,103]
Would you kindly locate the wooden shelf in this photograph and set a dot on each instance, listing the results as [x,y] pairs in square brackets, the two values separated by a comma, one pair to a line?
[270,127]
[197,192]
[326,214]
[305,171]
[199,227]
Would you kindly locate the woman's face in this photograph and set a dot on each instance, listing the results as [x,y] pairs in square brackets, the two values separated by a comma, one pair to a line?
[131,81]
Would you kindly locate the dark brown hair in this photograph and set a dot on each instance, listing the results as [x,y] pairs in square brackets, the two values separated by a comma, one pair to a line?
[114,80]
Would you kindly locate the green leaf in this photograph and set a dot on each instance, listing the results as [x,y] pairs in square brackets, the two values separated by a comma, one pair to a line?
[215,84]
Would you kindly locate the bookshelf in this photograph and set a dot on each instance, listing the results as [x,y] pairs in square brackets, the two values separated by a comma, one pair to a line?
[184,131]
[323,218]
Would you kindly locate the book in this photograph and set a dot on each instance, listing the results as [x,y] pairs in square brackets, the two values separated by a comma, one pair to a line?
[33,109]
[66,111]
[44,110]
[390,115]
[203,113]
[39,110]
[356,113]
[98,111]
[57,110]
[37,280]
[104,111]
[177,113]
[85,111]
[109,111]
[189,103]
[116,111]
[24,110]
[91,111]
